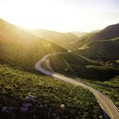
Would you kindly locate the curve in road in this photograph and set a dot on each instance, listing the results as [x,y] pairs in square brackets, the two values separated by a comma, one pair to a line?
[105,103]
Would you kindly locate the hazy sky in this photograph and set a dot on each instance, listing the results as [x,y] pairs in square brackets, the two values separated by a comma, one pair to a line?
[61,15]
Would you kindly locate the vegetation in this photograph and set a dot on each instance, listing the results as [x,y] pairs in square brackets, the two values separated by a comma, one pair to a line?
[25,95]
[107,33]
[22,49]
[109,88]
[95,56]
[77,65]
[65,40]
[104,50]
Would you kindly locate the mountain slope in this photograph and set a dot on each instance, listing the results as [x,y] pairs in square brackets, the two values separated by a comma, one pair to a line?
[97,57]
[63,39]
[97,60]
[25,95]
[74,65]
[18,47]
[79,34]
[107,50]
[107,33]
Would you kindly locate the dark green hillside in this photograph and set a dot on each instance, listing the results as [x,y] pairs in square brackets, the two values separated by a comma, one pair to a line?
[99,52]
[109,88]
[105,50]
[20,48]
[107,33]
[27,96]
[72,64]
[65,40]
[97,72]
[84,41]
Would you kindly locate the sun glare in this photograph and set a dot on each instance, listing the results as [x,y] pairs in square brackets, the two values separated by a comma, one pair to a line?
[49,14]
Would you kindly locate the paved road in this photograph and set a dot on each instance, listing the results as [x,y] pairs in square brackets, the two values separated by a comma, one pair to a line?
[105,103]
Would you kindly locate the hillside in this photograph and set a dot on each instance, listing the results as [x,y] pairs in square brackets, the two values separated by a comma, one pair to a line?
[97,59]
[107,33]
[24,95]
[79,34]
[105,50]
[28,95]
[100,74]
[63,39]
[74,65]
[21,48]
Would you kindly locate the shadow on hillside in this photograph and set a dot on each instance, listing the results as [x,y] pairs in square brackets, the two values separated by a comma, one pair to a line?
[102,76]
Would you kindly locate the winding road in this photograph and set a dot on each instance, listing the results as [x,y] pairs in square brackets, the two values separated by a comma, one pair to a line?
[105,103]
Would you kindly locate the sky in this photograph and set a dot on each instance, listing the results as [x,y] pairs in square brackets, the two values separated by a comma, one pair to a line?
[61,15]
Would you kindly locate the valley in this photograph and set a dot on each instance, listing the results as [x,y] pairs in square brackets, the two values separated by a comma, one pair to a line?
[92,59]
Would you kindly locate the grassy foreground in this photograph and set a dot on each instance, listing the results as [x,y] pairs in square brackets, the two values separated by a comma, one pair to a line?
[29,96]
[109,88]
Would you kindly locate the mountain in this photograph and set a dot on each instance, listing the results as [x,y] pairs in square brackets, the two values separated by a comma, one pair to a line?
[21,48]
[107,33]
[79,34]
[27,95]
[103,44]
[63,39]
[106,50]
[97,57]
[103,47]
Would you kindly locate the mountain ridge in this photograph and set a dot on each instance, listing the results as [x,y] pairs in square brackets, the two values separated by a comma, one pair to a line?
[62,39]
[107,33]
[19,47]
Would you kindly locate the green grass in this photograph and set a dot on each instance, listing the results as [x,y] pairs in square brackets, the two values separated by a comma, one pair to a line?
[25,53]
[109,88]
[105,50]
[48,97]
[72,64]
[98,60]
[20,48]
